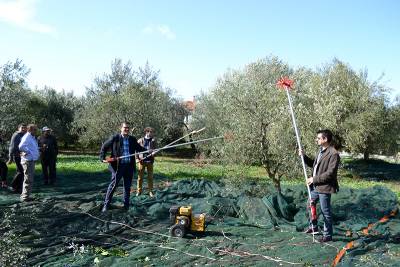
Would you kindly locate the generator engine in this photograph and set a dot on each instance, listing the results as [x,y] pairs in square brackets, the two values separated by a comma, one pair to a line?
[184,221]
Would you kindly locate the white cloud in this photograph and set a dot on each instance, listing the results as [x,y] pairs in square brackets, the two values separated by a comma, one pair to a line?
[163,30]
[22,14]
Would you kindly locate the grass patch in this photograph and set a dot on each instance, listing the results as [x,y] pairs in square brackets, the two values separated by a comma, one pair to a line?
[88,169]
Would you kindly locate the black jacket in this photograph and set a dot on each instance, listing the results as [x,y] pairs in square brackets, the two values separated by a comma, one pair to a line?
[115,143]
[48,147]
[13,149]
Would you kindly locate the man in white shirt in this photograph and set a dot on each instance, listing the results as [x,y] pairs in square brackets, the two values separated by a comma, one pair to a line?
[29,154]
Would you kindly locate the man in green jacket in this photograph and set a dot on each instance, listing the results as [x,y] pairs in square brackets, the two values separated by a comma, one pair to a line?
[323,182]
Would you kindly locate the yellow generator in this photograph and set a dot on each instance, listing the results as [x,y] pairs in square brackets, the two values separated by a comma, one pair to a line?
[184,221]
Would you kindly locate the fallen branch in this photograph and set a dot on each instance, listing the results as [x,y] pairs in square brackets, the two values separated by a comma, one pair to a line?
[123,224]
[226,236]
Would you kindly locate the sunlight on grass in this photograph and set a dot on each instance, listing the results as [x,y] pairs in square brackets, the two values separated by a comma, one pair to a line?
[178,168]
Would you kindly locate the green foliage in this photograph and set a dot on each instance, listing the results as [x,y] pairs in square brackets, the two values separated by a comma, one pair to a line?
[47,107]
[340,99]
[127,95]
[12,253]
[391,138]
[115,251]
[16,102]
[248,104]
[58,113]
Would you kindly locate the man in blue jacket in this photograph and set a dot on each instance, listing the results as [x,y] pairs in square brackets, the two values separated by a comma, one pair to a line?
[121,145]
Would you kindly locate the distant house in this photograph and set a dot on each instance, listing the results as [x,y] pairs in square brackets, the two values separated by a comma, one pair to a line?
[190,106]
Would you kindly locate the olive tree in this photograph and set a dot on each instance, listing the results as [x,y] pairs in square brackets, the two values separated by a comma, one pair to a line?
[247,104]
[343,100]
[17,103]
[135,96]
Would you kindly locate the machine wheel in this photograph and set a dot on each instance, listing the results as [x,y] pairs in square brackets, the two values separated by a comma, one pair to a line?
[177,230]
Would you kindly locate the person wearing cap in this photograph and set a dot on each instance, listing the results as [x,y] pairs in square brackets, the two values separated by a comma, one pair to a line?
[14,156]
[48,155]
[146,161]
[29,150]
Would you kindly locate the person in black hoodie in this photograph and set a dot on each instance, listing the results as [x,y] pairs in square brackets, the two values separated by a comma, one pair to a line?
[14,156]
[48,155]
[121,144]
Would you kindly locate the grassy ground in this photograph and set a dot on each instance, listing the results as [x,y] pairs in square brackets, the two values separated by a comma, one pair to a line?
[353,173]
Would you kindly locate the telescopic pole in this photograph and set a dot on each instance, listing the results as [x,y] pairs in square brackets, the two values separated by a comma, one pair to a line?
[173,142]
[163,148]
[286,84]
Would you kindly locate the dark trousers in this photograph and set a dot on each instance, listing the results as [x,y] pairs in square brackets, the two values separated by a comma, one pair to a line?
[124,171]
[49,170]
[3,171]
[18,179]
[325,203]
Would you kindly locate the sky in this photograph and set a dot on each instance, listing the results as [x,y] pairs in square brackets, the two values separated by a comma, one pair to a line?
[66,44]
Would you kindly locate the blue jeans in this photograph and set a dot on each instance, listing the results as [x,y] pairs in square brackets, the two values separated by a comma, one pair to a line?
[325,203]
[125,171]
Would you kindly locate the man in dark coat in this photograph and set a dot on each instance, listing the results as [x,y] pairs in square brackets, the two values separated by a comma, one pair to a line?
[323,182]
[3,165]
[48,155]
[121,145]
[14,156]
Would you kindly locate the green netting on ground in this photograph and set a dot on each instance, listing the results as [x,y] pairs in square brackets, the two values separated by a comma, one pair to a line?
[250,225]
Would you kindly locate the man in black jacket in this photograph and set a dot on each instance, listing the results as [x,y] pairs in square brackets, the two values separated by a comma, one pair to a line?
[48,155]
[14,156]
[121,145]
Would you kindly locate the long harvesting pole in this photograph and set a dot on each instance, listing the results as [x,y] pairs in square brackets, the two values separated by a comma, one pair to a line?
[163,148]
[173,142]
[287,84]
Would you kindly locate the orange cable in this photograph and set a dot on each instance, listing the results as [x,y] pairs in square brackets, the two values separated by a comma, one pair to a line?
[365,231]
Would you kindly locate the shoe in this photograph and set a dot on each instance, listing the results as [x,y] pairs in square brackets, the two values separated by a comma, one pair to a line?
[313,231]
[138,193]
[14,191]
[151,194]
[325,239]
[28,199]
[104,209]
